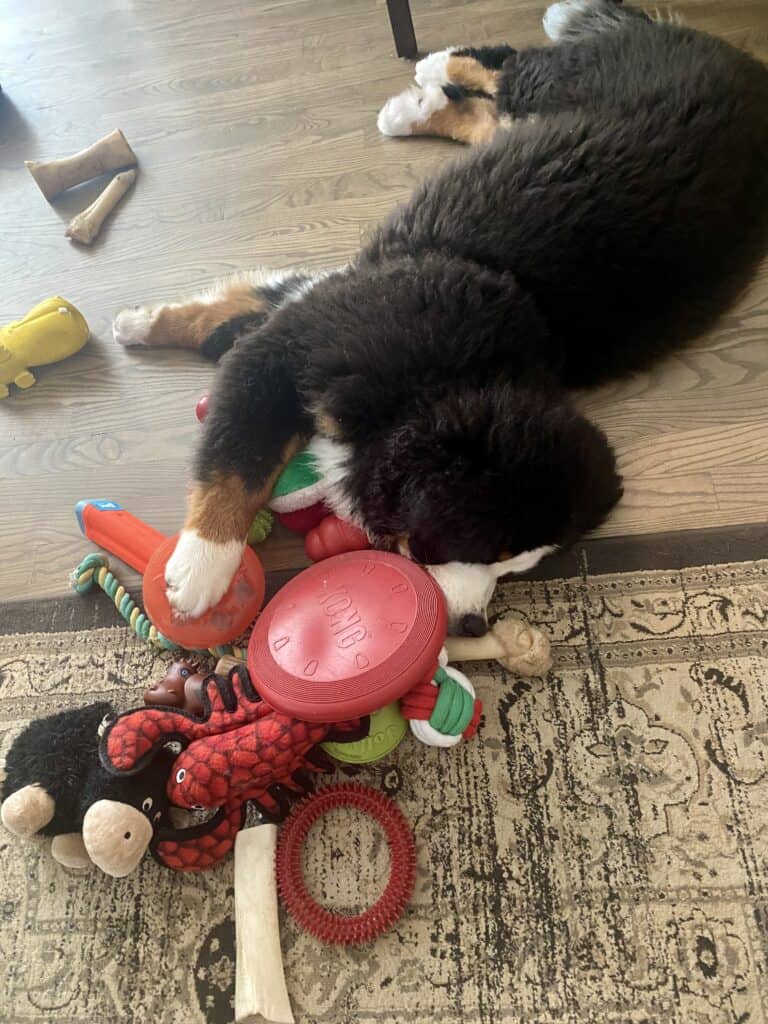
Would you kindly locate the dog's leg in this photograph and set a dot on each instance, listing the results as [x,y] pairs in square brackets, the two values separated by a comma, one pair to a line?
[254,425]
[430,112]
[211,545]
[471,68]
[209,321]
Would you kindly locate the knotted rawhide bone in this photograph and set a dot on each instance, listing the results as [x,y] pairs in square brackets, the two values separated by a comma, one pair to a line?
[521,648]
[112,153]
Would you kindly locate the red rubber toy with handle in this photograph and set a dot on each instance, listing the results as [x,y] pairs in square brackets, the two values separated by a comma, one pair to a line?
[147,550]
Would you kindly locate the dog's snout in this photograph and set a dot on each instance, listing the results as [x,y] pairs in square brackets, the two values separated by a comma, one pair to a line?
[473,625]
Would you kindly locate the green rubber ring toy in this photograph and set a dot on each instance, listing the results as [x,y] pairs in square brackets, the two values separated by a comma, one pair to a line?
[387,729]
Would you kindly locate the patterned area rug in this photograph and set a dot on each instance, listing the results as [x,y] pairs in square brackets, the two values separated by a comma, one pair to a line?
[598,854]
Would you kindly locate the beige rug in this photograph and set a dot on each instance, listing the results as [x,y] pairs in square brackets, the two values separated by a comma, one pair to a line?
[598,854]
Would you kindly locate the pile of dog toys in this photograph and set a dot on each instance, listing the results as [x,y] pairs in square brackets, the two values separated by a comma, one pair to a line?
[348,654]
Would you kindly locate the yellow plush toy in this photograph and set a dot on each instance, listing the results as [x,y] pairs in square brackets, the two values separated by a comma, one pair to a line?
[51,331]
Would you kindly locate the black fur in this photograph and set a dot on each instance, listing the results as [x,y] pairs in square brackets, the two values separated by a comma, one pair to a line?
[585,244]
[61,754]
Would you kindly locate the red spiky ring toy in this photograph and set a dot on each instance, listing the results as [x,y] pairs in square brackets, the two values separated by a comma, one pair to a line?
[338,929]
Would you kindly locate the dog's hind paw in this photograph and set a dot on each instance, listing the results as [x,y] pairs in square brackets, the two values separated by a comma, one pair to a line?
[433,69]
[410,110]
[134,326]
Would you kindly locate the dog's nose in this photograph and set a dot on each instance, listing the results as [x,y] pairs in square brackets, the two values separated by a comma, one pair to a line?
[473,625]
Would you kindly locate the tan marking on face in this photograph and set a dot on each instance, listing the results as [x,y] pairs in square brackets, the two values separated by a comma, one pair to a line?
[473,120]
[188,325]
[223,510]
[471,74]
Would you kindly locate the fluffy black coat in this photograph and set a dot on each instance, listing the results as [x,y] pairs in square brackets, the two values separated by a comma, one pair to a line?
[613,226]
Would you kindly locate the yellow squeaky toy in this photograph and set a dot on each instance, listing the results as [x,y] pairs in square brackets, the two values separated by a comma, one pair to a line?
[50,332]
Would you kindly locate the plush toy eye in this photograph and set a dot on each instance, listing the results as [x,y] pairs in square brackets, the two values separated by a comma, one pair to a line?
[105,722]
[147,804]
[158,815]
[198,807]
[181,775]
[184,673]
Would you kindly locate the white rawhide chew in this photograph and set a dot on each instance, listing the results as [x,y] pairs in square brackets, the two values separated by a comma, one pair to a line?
[111,153]
[86,225]
[520,648]
[260,992]
[421,728]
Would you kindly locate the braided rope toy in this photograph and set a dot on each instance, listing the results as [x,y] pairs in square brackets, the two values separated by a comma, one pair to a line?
[444,709]
[94,569]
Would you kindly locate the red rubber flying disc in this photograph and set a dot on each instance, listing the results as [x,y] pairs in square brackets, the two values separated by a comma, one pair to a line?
[347,636]
[219,625]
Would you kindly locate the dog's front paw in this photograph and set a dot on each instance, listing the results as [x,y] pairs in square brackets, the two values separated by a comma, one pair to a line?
[134,326]
[199,572]
[433,69]
[407,112]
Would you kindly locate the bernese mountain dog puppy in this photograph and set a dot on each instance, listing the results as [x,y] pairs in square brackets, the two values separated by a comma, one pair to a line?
[615,203]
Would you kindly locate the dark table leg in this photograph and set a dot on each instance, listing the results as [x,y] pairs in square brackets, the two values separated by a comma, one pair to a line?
[402,28]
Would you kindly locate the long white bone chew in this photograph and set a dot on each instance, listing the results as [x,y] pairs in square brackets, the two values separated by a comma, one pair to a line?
[521,648]
[108,154]
[86,225]
[260,992]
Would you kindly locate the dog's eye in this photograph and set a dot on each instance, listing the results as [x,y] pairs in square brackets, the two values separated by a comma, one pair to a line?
[184,673]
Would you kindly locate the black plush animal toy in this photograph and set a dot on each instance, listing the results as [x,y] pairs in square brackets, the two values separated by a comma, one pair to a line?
[55,785]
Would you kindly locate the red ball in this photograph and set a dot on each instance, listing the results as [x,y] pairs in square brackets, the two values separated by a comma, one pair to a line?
[304,519]
[201,409]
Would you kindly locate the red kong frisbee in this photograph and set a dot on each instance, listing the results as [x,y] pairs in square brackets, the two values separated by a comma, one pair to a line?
[347,636]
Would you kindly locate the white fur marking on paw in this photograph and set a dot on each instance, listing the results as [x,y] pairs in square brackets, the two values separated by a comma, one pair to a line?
[199,571]
[433,69]
[132,326]
[557,17]
[402,113]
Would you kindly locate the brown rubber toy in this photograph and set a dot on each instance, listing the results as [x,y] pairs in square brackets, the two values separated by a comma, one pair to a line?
[181,687]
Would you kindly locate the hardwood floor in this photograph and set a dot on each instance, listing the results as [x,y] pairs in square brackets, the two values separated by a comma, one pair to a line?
[255,128]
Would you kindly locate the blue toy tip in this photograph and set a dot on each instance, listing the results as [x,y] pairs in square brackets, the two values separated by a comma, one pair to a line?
[103,504]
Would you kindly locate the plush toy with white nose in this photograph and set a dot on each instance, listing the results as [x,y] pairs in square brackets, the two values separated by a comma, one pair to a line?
[55,786]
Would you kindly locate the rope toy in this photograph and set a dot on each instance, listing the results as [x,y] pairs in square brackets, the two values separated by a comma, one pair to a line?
[442,710]
[261,527]
[94,569]
[325,925]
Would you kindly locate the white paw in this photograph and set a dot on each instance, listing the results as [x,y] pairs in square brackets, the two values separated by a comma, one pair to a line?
[557,17]
[402,113]
[132,326]
[199,572]
[431,70]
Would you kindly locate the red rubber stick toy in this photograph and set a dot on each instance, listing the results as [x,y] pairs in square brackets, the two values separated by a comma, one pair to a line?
[147,550]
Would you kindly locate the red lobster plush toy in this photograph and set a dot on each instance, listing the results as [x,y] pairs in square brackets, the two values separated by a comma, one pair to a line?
[239,750]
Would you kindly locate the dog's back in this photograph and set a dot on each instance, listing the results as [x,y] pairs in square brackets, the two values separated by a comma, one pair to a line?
[633,205]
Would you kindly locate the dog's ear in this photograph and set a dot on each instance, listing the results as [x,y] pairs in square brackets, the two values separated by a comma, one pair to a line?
[596,482]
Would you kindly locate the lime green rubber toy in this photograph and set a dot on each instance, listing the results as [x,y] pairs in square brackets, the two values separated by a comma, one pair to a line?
[388,727]
[50,332]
